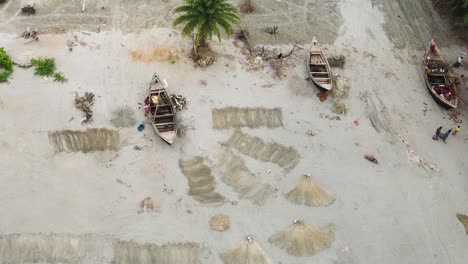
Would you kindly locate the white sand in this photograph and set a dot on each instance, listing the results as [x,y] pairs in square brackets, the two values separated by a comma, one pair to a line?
[394,212]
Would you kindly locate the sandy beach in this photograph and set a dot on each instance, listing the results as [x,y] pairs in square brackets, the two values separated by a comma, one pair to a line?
[85,201]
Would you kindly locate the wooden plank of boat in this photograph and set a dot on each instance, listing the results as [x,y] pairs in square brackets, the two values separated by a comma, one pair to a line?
[438,83]
[318,67]
[163,116]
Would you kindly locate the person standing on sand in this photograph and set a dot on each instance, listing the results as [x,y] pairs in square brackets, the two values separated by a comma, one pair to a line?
[445,135]
[459,62]
[437,134]
[456,130]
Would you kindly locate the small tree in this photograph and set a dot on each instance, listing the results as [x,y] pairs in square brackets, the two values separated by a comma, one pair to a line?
[206,18]
[6,66]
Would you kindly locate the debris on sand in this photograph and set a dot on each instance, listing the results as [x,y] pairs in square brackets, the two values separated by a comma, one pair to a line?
[330,117]
[339,107]
[205,61]
[322,96]
[179,101]
[28,10]
[233,117]
[309,193]
[84,103]
[138,148]
[310,133]
[2,1]
[148,205]
[284,156]
[30,34]
[337,61]
[301,239]
[455,116]
[371,159]
[84,141]
[123,117]
[220,223]
[247,252]
[201,181]
[464,220]
[341,87]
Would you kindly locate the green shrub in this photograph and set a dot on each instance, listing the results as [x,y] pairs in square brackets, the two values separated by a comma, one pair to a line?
[459,8]
[58,77]
[6,66]
[43,66]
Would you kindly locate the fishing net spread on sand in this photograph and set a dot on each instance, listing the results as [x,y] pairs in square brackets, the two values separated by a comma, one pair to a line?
[284,156]
[123,117]
[93,139]
[233,117]
[309,193]
[201,181]
[245,183]
[79,249]
[302,239]
[247,252]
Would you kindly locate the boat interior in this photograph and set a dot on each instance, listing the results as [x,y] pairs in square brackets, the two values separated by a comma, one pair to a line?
[318,68]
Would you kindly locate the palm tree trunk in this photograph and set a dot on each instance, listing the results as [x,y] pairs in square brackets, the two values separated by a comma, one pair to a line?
[203,41]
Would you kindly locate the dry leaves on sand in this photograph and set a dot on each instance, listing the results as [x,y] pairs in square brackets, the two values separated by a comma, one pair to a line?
[247,252]
[309,193]
[302,239]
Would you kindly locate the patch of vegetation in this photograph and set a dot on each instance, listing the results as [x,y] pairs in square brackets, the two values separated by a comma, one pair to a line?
[337,61]
[6,66]
[28,10]
[43,66]
[459,8]
[58,77]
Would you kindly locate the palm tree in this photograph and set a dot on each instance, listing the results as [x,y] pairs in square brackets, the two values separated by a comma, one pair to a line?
[206,18]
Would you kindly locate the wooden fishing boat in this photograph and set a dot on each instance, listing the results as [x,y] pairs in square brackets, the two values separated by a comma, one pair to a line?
[436,75]
[318,67]
[162,112]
